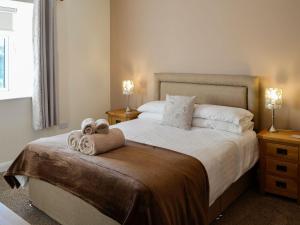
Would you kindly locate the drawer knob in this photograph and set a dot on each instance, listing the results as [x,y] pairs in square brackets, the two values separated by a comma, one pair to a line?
[281,151]
[281,168]
[281,184]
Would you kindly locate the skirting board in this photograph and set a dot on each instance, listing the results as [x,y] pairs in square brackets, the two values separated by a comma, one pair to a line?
[4,166]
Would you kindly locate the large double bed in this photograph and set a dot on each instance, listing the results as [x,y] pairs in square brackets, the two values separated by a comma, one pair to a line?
[228,158]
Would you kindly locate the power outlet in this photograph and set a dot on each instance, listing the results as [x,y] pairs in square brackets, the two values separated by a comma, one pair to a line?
[63,125]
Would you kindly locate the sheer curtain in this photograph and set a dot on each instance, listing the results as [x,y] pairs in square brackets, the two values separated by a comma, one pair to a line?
[44,102]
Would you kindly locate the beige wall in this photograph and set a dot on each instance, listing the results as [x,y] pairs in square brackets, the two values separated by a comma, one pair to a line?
[83,70]
[203,36]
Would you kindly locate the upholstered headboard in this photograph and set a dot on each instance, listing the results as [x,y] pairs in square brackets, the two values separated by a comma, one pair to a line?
[229,90]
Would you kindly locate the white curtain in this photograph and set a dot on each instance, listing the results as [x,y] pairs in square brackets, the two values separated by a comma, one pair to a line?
[44,102]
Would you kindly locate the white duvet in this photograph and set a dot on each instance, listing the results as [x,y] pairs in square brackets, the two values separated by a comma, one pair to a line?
[225,156]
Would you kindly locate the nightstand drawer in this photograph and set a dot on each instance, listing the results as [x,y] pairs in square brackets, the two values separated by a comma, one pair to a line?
[282,151]
[282,168]
[282,186]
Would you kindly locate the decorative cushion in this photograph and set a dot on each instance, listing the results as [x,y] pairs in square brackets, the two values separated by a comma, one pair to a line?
[178,111]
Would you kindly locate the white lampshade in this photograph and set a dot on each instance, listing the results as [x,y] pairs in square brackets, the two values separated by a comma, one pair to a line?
[128,87]
[273,98]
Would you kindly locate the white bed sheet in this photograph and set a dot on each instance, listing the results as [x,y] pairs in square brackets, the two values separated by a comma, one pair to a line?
[225,156]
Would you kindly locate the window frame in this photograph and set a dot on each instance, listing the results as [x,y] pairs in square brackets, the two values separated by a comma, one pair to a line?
[19,64]
[5,36]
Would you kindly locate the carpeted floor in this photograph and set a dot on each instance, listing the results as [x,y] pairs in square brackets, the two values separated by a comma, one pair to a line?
[18,201]
[250,209]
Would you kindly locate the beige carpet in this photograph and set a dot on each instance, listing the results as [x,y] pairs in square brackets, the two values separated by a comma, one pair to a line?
[250,209]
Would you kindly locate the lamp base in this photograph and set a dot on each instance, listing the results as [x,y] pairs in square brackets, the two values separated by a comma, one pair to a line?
[128,109]
[273,129]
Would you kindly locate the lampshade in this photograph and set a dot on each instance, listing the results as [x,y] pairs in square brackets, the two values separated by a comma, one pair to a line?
[128,87]
[273,98]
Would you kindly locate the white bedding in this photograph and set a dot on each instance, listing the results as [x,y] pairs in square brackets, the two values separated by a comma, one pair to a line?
[225,156]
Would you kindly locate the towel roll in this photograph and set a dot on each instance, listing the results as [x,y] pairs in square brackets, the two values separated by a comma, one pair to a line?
[74,139]
[88,126]
[102,126]
[100,143]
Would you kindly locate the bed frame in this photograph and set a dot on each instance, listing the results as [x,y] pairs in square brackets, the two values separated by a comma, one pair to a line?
[229,90]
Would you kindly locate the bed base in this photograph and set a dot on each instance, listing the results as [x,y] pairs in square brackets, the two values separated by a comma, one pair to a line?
[231,194]
[68,209]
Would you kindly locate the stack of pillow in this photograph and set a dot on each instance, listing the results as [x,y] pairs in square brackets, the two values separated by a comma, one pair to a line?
[182,112]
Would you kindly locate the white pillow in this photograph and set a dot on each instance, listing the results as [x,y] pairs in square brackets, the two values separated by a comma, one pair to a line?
[153,107]
[223,113]
[178,111]
[151,116]
[219,125]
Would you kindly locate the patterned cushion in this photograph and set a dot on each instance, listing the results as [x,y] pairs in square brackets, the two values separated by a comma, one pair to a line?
[178,111]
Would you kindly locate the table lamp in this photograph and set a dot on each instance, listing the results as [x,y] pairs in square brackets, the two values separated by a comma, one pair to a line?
[273,101]
[128,87]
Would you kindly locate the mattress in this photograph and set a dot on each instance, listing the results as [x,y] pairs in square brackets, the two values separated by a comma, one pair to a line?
[225,156]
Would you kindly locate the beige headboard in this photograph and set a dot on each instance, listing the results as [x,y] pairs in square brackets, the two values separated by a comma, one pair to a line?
[229,90]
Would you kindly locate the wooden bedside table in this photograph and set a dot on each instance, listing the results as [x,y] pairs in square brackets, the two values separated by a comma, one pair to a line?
[279,163]
[120,115]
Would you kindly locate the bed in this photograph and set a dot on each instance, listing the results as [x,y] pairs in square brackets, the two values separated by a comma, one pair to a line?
[229,166]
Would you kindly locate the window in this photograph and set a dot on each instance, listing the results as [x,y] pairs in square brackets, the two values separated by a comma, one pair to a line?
[16,55]
[3,63]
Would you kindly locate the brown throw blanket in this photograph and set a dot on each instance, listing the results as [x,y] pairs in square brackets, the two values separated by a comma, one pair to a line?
[134,185]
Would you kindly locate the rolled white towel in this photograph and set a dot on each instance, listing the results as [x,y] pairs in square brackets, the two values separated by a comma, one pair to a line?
[74,139]
[88,126]
[102,126]
[100,143]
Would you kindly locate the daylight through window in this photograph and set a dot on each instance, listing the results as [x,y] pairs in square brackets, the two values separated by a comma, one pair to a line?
[3,57]
[16,56]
